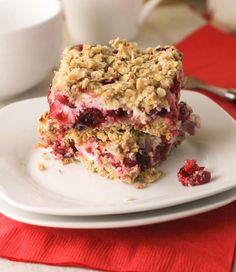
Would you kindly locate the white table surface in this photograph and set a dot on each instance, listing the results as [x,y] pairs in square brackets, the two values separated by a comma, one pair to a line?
[165,25]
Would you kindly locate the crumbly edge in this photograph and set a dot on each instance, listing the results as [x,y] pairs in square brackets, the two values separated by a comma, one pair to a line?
[125,136]
[122,135]
[122,75]
[105,170]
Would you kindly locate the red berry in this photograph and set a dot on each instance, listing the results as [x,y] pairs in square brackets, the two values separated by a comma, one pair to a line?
[116,114]
[175,88]
[129,163]
[184,111]
[161,151]
[192,174]
[143,159]
[63,99]
[91,117]
[190,166]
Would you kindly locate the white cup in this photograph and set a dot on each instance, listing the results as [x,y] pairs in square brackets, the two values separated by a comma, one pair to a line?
[30,43]
[98,21]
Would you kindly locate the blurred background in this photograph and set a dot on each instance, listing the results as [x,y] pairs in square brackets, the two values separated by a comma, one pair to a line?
[172,20]
[94,21]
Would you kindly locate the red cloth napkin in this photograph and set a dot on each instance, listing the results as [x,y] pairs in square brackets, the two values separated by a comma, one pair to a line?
[210,55]
[204,242]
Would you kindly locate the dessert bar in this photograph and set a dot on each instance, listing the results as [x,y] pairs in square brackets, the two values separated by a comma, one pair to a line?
[116,109]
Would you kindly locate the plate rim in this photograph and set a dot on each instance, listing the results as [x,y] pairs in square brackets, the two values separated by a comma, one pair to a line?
[216,202]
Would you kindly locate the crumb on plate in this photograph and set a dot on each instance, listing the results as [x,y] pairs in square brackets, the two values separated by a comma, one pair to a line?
[41,166]
[45,156]
[129,199]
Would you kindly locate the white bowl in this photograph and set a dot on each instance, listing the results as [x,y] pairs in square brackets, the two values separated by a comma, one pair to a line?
[30,43]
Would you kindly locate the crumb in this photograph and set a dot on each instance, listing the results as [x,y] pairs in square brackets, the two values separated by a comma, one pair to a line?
[60,171]
[66,161]
[41,166]
[150,175]
[140,185]
[129,199]
[45,156]
[39,145]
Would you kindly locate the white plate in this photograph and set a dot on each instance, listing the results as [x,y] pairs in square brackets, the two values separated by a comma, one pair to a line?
[122,220]
[78,192]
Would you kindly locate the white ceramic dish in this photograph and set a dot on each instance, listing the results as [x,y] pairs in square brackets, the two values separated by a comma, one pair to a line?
[124,220]
[74,191]
[30,43]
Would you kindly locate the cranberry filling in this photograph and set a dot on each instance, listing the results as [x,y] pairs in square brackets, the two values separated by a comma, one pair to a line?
[55,114]
[189,127]
[192,174]
[55,111]
[175,88]
[72,145]
[91,117]
[116,114]
[184,111]
[161,152]
[143,159]
[63,99]
[129,163]
[61,151]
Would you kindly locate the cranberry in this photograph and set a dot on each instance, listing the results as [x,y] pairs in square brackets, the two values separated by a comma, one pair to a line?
[163,112]
[175,88]
[161,151]
[184,111]
[143,159]
[138,126]
[78,127]
[56,111]
[160,49]
[189,127]
[60,150]
[59,115]
[191,166]
[120,113]
[91,117]
[115,164]
[72,145]
[78,47]
[63,99]
[129,163]
[192,174]
[90,150]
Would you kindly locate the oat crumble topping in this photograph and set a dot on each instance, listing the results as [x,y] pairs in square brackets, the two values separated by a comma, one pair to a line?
[122,75]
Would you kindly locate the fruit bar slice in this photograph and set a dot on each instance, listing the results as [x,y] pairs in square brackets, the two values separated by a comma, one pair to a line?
[99,86]
[119,151]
